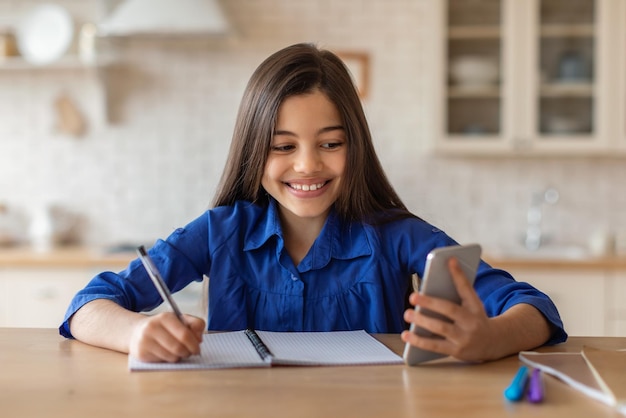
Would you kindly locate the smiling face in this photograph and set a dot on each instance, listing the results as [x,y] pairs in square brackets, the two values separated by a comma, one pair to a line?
[307,157]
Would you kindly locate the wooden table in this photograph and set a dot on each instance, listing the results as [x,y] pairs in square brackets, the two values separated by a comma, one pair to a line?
[44,375]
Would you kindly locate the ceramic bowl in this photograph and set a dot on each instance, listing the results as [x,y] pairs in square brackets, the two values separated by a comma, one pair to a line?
[474,71]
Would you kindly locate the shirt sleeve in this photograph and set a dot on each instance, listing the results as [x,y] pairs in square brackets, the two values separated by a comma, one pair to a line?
[499,291]
[181,259]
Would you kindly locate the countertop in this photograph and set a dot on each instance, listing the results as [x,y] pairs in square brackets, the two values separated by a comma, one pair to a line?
[64,257]
[77,257]
[609,262]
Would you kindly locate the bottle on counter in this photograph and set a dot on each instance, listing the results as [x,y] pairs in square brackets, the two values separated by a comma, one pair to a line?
[41,230]
[87,43]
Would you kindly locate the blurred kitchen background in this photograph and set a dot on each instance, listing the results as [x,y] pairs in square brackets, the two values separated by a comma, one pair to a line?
[498,121]
[158,119]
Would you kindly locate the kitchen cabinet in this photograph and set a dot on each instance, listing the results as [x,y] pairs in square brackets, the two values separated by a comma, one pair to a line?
[616,315]
[620,86]
[532,77]
[38,297]
[580,296]
[36,288]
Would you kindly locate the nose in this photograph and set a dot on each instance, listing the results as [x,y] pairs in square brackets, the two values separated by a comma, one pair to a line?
[307,161]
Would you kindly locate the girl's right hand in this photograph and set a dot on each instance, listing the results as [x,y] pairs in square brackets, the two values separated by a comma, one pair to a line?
[163,338]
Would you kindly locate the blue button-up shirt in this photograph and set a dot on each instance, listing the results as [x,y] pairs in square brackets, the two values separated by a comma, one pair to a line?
[355,276]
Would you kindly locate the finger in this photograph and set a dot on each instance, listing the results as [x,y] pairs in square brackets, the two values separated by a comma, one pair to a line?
[151,341]
[156,343]
[184,340]
[160,337]
[159,353]
[462,284]
[149,350]
[436,345]
[438,326]
[440,306]
[166,338]
[196,325]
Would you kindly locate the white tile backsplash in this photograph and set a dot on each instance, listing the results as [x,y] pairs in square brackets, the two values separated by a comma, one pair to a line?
[155,165]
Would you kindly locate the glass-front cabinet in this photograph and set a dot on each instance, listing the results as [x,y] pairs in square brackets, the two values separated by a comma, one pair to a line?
[620,87]
[526,76]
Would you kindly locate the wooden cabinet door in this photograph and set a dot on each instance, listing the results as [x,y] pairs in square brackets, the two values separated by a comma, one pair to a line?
[526,77]
[616,315]
[580,297]
[38,297]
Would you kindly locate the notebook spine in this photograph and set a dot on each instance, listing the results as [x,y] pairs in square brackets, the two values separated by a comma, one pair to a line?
[259,345]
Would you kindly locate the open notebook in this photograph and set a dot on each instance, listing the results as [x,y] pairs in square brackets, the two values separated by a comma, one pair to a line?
[598,373]
[265,348]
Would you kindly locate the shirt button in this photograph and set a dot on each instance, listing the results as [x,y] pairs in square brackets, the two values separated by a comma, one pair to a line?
[294,278]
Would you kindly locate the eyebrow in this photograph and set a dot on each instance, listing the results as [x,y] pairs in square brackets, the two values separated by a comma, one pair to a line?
[321,131]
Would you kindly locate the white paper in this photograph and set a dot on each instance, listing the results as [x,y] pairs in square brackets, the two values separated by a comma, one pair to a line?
[234,349]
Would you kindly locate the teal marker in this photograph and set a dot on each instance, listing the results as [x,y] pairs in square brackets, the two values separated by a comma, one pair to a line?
[516,389]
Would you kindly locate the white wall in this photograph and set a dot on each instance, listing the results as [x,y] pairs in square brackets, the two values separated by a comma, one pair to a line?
[155,166]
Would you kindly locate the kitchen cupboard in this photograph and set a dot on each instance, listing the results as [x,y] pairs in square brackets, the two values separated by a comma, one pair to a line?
[581,296]
[532,77]
[37,297]
[620,86]
[616,314]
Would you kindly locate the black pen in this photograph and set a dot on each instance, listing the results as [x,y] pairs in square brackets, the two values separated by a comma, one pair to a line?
[158,281]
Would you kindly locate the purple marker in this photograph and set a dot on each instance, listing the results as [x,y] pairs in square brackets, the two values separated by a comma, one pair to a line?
[535,387]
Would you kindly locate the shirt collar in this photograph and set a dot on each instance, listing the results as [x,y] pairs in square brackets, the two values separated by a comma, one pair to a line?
[337,239]
[268,225]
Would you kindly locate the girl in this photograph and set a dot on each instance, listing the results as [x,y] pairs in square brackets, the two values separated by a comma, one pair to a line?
[307,234]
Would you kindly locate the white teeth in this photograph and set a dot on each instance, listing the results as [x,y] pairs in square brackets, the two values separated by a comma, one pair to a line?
[307,187]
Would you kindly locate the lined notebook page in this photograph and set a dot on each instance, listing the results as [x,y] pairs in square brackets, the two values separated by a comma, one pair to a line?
[327,348]
[234,349]
[217,351]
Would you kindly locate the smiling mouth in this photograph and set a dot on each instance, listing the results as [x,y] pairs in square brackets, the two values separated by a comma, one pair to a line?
[307,187]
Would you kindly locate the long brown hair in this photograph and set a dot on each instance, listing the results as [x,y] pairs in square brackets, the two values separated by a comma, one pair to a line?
[298,69]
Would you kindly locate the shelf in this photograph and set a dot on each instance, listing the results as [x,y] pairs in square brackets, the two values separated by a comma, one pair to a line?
[95,69]
[65,63]
[583,89]
[546,31]
[567,31]
[479,92]
[474,32]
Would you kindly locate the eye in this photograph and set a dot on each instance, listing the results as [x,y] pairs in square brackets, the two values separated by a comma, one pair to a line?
[332,145]
[282,148]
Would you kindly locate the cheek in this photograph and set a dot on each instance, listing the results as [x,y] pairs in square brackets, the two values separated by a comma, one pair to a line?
[271,170]
[265,178]
[339,164]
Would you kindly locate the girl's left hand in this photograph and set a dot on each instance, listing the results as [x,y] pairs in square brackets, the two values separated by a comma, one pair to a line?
[468,337]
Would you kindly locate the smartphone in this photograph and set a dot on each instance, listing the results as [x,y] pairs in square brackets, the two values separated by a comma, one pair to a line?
[438,283]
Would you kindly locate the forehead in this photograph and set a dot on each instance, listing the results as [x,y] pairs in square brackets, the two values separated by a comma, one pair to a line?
[309,108]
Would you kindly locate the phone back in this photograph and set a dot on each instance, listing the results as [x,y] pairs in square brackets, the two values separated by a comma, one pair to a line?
[437,279]
[438,283]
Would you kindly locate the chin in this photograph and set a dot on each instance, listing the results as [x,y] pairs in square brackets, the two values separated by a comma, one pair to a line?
[308,212]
